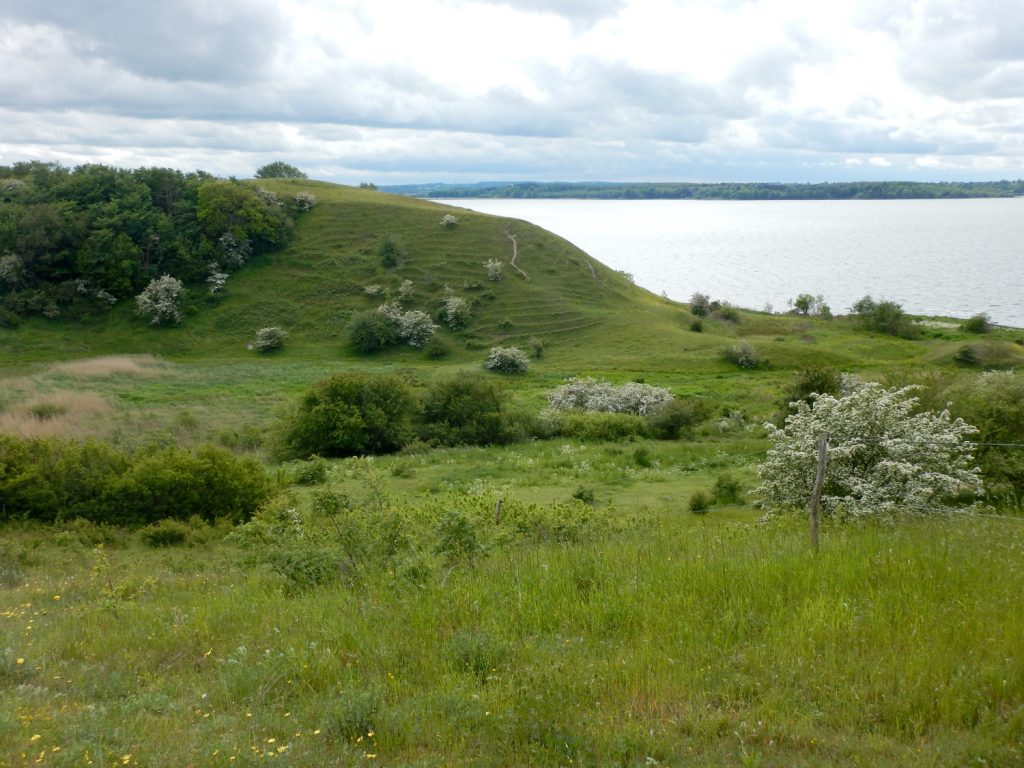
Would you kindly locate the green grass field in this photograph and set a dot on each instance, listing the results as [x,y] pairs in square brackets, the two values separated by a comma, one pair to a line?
[659,637]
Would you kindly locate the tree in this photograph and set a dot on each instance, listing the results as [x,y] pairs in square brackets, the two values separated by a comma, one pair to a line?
[351,414]
[160,301]
[279,170]
[883,458]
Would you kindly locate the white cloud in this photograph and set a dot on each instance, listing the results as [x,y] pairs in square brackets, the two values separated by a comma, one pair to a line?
[520,88]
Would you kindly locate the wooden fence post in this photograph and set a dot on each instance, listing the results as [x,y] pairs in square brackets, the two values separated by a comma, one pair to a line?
[819,482]
[497,513]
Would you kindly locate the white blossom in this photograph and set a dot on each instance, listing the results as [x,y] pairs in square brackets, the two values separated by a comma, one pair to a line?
[159,301]
[590,394]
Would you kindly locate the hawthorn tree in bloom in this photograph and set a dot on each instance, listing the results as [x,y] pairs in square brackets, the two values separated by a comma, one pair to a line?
[159,301]
[882,457]
[590,394]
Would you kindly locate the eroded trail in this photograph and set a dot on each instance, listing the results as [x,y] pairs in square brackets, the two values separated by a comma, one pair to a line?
[515,255]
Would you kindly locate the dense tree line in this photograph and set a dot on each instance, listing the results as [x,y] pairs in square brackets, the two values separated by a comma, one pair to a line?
[854,190]
[76,241]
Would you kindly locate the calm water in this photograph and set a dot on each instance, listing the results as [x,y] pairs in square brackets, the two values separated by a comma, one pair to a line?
[936,257]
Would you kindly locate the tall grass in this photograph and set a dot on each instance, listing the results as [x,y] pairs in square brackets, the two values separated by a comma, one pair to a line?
[689,643]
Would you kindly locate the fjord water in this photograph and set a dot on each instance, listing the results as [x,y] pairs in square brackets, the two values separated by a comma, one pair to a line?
[936,257]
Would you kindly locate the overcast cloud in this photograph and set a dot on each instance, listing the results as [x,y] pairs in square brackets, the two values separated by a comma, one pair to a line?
[465,90]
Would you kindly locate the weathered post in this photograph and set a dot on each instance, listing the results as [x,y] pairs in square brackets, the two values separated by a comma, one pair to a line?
[497,513]
[819,482]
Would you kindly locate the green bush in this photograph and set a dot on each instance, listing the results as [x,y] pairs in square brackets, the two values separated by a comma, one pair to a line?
[884,317]
[979,323]
[507,360]
[457,538]
[677,417]
[50,480]
[312,472]
[391,251]
[727,490]
[598,426]
[371,331]
[743,355]
[351,414]
[465,410]
[822,380]
[700,502]
[166,533]
[269,339]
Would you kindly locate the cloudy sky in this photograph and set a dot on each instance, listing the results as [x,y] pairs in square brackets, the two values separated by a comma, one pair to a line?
[394,91]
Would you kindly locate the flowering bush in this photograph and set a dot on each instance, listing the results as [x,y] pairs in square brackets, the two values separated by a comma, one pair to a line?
[374,290]
[507,360]
[406,290]
[455,312]
[305,202]
[493,267]
[160,300]
[234,251]
[269,339]
[743,355]
[449,220]
[882,457]
[216,279]
[590,394]
[413,327]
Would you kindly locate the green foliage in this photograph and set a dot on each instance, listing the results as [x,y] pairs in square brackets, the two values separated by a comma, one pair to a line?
[697,326]
[598,426]
[536,347]
[391,251]
[165,533]
[457,540]
[678,417]
[279,170]
[979,323]
[437,348]
[806,304]
[699,503]
[49,480]
[352,414]
[884,317]
[994,403]
[727,490]
[817,379]
[700,304]
[312,472]
[465,410]
[354,715]
[371,331]
[586,495]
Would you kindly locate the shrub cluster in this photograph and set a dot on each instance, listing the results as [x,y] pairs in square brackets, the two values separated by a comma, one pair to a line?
[269,339]
[160,301]
[49,480]
[387,326]
[743,355]
[590,394]
[455,311]
[884,317]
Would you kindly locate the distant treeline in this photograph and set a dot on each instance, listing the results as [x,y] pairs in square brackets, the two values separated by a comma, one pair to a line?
[853,190]
[76,241]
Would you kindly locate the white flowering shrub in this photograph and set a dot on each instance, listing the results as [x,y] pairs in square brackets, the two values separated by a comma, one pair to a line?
[305,202]
[882,457]
[590,394]
[216,278]
[374,290]
[269,339]
[449,220]
[406,290]
[743,355]
[455,311]
[415,328]
[493,267]
[234,251]
[160,301]
[507,360]
[12,270]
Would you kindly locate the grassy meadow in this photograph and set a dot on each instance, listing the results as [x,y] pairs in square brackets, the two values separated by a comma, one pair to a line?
[595,621]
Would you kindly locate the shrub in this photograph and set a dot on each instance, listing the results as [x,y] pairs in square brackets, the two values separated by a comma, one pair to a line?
[697,326]
[727,490]
[979,323]
[507,360]
[457,538]
[391,251]
[350,414]
[727,314]
[536,347]
[883,457]
[269,339]
[968,355]
[166,533]
[586,495]
[700,502]
[312,472]
[449,221]
[743,355]
[160,301]
[374,290]
[808,382]
[279,170]
[806,304]
[305,202]
[599,427]
[414,327]
[700,304]
[455,312]
[371,331]
[493,267]
[677,417]
[465,410]
[590,394]
[884,317]
[405,290]
[437,348]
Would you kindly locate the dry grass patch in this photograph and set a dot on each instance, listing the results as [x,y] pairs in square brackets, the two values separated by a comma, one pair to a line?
[112,365]
[56,414]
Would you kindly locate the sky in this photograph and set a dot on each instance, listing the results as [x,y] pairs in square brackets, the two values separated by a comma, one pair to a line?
[411,91]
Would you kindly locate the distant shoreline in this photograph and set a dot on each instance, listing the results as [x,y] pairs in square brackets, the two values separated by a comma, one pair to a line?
[856,190]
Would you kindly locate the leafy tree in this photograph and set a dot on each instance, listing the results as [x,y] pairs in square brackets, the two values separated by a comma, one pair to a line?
[351,414]
[160,302]
[883,457]
[279,170]
[372,331]
[466,410]
[884,317]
